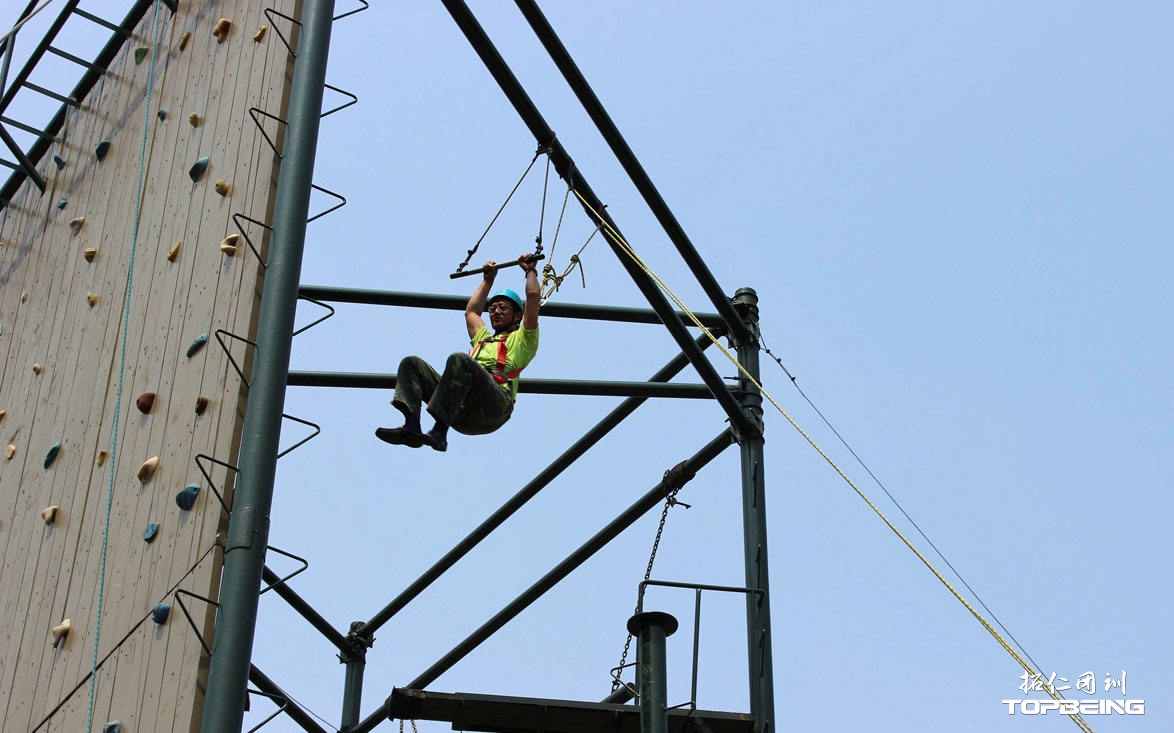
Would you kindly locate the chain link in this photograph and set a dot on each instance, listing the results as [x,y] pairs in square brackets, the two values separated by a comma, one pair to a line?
[670,500]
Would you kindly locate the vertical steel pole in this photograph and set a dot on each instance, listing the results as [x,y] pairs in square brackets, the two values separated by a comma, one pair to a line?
[754,525]
[651,629]
[248,529]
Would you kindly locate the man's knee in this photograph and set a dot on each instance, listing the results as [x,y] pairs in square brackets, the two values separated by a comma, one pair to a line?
[412,365]
[460,363]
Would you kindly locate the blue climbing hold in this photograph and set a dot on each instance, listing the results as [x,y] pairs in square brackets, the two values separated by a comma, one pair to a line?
[150,532]
[114,726]
[102,149]
[160,613]
[161,114]
[52,454]
[59,162]
[186,498]
[198,168]
[62,202]
[197,345]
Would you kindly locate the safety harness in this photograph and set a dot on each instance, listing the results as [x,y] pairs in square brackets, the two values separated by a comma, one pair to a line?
[500,375]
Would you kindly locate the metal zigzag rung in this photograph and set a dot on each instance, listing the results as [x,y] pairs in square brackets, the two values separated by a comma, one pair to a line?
[208,477]
[237,218]
[341,202]
[280,581]
[272,13]
[354,98]
[179,593]
[253,112]
[329,312]
[281,702]
[220,333]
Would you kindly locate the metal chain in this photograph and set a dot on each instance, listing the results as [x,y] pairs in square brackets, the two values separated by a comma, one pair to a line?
[413,723]
[670,500]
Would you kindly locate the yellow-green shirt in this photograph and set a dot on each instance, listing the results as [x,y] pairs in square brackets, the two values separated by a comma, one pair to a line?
[521,348]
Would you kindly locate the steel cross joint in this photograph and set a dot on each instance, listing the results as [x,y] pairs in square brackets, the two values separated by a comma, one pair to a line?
[356,645]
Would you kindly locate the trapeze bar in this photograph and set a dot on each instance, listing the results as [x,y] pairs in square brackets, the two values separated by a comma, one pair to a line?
[495,268]
[584,387]
[457,302]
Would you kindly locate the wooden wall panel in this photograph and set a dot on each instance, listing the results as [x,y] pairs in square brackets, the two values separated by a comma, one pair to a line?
[149,675]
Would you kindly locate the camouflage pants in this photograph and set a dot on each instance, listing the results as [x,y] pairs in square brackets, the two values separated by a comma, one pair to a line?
[464,397]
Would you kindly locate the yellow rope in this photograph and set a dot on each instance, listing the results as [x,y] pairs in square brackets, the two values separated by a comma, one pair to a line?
[627,248]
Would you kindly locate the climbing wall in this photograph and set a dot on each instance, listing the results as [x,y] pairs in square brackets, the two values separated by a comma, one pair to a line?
[112,378]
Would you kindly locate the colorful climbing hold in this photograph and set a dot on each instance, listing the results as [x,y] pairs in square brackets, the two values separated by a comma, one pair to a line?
[2,414]
[186,498]
[197,170]
[161,114]
[102,149]
[140,54]
[260,34]
[145,402]
[194,119]
[9,451]
[59,162]
[101,458]
[173,253]
[229,244]
[183,40]
[90,253]
[114,726]
[24,296]
[37,369]
[150,532]
[147,470]
[59,632]
[92,299]
[222,187]
[62,202]
[76,224]
[52,454]
[49,514]
[160,613]
[221,29]
[197,345]
[201,405]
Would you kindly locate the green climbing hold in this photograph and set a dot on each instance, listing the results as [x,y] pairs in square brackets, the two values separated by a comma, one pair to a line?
[198,168]
[140,54]
[197,345]
[160,613]
[101,150]
[59,162]
[186,498]
[52,455]
[150,532]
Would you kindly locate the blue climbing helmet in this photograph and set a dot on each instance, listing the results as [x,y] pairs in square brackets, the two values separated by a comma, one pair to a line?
[509,295]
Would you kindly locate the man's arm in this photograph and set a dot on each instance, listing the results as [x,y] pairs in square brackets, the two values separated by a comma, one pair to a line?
[533,293]
[476,305]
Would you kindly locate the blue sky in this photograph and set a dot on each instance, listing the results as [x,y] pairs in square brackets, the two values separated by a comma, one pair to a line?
[957,219]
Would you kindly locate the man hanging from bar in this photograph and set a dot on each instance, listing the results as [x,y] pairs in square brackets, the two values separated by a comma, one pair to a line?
[475,394]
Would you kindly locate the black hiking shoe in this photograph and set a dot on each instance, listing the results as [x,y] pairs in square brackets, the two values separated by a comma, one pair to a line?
[402,436]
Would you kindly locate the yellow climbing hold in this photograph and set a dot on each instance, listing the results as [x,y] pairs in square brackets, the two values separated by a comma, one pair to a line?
[24,296]
[76,224]
[195,119]
[229,244]
[183,40]
[101,459]
[2,414]
[92,299]
[90,253]
[260,33]
[222,187]
[59,632]
[49,513]
[147,470]
[220,30]
[37,368]
[10,451]
[173,253]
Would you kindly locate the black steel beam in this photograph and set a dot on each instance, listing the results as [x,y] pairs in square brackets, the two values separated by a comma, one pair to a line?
[504,714]
[586,387]
[527,492]
[565,167]
[303,607]
[457,302]
[656,203]
[291,708]
[628,517]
